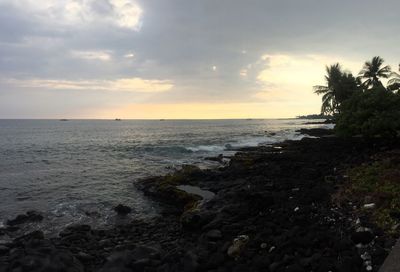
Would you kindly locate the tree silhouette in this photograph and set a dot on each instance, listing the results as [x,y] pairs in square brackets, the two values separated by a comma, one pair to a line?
[394,82]
[340,86]
[373,71]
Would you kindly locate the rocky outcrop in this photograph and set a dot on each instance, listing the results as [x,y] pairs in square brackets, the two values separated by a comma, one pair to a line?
[30,216]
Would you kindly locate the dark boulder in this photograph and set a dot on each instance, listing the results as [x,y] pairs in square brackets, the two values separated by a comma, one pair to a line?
[30,216]
[362,237]
[214,234]
[316,132]
[122,209]
[219,158]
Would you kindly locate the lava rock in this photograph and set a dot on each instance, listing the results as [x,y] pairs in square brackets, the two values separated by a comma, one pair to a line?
[362,237]
[219,158]
[30,216]
[122,209]
[214,234]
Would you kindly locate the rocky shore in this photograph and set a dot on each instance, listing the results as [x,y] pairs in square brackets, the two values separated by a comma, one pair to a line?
[270,209]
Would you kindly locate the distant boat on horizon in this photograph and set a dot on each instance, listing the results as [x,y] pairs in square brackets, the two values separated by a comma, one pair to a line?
[63,120]
[162,119]
[117,119]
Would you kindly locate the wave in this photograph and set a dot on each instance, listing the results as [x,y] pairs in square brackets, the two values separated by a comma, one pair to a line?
[207,148]
[252,141]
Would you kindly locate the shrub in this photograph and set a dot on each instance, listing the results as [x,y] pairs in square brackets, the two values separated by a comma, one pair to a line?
[370,113]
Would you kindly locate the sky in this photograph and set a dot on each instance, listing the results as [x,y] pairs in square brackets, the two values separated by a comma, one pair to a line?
[180,59]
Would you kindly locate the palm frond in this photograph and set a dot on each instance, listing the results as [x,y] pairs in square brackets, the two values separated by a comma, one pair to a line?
[320,89]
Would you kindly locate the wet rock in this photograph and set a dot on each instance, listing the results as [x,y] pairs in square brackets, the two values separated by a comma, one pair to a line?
[316,132]
[143,252]
[132,260]
[41,255]
[30,216]
[4,249]
[34,235]
[122,209]
[362,237]
[75,229]
[219,158]
[84,257]
[196,219]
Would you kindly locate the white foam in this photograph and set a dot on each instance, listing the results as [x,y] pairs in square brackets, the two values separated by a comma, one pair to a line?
[207,148]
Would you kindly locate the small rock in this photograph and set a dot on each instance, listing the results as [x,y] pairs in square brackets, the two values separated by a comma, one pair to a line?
[362,237]
[274,266]
[214,234]
[84,257]
[369,206]
[122,209]
[271,249]
[238,245]
[219,158]
[263,245]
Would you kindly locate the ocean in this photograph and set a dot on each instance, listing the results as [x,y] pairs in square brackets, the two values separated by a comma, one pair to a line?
[76,171]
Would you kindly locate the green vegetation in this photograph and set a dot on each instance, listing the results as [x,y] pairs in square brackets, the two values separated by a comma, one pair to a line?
[377,183]
[371,113]
[362,105]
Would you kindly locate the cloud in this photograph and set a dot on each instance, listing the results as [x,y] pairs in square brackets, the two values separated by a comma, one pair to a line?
[92,55]
[289,78]
[136,85]
[121,13]
[129,55]
[262,50]
[297,70]
[127,13]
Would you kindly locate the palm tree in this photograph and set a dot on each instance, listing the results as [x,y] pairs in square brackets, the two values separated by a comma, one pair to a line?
[394,82]
[340,86]
[373,71]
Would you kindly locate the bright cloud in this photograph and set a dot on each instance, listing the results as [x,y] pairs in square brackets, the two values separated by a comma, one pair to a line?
[129,55]
[305,70]
[122,13]
[92,55]
[127,13]
[285,77]
[124,84]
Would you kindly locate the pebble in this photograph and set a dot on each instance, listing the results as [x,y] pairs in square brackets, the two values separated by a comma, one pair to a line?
[369,206]
[263,245]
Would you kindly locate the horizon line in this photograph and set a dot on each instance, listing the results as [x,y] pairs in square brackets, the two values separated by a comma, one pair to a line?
[147,119]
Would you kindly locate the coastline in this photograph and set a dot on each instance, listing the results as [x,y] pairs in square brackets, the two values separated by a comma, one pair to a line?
[272,210]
